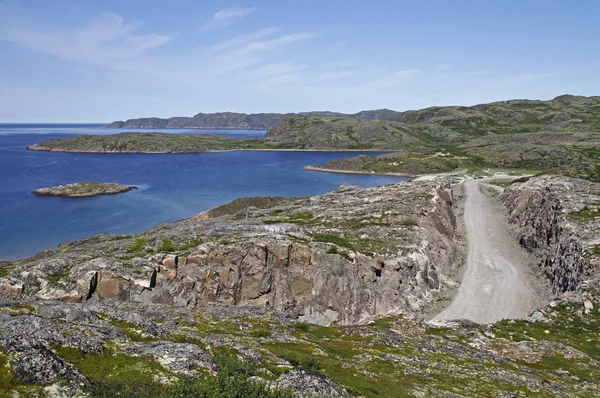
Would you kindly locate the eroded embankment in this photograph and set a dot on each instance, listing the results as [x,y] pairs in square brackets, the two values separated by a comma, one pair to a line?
[557,219]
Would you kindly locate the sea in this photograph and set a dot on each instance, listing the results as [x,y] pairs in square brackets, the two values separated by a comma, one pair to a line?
[171,186]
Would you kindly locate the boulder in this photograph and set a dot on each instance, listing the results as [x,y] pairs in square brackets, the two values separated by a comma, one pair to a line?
[309,384]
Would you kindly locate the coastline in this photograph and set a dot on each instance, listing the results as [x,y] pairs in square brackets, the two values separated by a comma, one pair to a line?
[324,170]
[43,149]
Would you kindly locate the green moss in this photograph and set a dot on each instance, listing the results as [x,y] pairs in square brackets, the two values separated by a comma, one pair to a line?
[261,202]
[58,277]
[190,244]
[134,332]
[136,246]
[166,246]
[7,376]
[5,268]
[111,366]
[335,239]
[300,218]
[587,214]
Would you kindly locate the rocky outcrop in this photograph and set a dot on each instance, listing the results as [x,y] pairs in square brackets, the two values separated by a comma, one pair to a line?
[339,258]
[83,190]
[308,384]
[558,220]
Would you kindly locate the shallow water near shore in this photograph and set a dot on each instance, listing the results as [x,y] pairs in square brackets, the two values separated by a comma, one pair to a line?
[172,187]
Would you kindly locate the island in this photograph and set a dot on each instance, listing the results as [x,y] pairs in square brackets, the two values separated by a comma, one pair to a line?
[84,190]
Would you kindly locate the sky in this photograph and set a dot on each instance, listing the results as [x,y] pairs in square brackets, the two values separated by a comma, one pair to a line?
[105,60]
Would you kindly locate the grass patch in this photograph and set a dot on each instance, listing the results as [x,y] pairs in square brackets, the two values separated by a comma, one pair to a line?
[587,214]
[335,239]
[136,246]
[166,246]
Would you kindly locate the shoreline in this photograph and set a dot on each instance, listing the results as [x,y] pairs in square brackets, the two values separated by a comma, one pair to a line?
[324,170]
[108,126]
[43,149]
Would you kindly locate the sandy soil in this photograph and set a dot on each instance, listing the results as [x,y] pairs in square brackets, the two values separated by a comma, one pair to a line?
[496,283]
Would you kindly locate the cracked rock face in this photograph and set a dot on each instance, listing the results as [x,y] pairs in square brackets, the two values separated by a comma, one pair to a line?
[557,219]
[339,258]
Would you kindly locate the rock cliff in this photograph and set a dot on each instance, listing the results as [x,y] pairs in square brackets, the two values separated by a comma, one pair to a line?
[558,220]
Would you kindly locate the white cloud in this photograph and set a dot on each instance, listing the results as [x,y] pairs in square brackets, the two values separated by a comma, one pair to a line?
[107,41]
[244,52]
[272,44]
[407,73]
[228,16]
[234,12]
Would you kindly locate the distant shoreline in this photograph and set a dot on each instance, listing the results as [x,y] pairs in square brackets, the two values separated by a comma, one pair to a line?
[43,149]
[324,170]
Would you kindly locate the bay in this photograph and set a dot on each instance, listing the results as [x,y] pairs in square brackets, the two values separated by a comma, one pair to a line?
[172,186]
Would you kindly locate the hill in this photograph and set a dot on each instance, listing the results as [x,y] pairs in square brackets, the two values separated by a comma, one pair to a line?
[561,135]
[232,120]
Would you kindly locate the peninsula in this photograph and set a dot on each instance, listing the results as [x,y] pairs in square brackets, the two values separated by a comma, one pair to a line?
[84,190]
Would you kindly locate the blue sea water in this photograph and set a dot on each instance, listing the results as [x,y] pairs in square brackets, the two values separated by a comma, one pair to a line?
[171,186]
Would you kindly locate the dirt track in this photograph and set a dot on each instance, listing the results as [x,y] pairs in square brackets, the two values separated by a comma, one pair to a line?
[495,285]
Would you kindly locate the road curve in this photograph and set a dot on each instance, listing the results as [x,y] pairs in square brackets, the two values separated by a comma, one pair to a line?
[495,285]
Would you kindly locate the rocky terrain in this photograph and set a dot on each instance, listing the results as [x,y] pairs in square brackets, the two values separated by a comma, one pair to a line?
[557,219]
[329,295]
[232,120]
[311,258]
[319,296]
[84,190]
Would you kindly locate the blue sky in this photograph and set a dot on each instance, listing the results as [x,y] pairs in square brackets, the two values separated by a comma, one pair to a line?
[104,60]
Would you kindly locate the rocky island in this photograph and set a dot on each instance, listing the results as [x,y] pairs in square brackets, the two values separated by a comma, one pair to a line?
[84,190]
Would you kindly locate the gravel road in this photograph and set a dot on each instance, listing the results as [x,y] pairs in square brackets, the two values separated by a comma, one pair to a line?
[495,285]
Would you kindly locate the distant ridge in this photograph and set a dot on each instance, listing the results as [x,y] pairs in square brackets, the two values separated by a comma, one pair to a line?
[242,121]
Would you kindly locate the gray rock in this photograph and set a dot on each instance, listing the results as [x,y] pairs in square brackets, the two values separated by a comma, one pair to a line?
[43,367]
[309,384]
[179,357]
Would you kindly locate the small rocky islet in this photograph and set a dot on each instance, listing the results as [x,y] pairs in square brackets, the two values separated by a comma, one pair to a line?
[84,190]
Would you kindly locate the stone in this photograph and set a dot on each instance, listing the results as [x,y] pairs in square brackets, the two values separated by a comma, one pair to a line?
[170,261]
[41,366]
[111,285]
[538,316]
[309,384]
